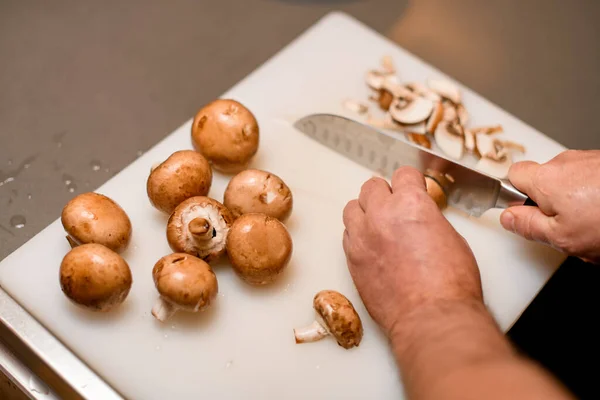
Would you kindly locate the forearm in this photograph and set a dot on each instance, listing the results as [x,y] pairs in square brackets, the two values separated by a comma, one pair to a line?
[457,351]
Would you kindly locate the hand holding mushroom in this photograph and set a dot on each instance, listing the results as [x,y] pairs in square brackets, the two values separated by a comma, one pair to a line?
[401,251]
[567,192]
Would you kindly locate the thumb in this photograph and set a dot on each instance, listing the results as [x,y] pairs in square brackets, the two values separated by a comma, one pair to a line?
[529,222]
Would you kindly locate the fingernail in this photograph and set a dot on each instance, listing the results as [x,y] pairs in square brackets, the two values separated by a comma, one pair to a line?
[507,219]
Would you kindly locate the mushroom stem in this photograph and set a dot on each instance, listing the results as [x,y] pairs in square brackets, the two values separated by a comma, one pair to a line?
[201,229]
[311,333]
[72,241]
[163,309]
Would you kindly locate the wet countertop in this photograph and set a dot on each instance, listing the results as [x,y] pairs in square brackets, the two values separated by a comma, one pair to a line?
[87,87]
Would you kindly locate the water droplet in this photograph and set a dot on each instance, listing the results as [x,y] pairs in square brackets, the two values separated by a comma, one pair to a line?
[72,189]
[157,348]
[7,180]
[139,153]
[67,179]
[96,165]
[29,196]
[18,221]
[229,364]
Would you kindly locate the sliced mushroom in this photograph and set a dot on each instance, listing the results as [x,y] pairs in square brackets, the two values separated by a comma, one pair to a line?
[258,191]
[450,112]
[435,118]
[445,89]
[424,91]
[199,226]
[449,140]
[396,89]
[385,99]
[462,113]
[376,78]
[95,277]
[387,64]
[335,316]
[355,106]
[413,111]
[418,128]
[259,248]
[419,139]
[437,186]
[227,134]
[95,218]
[470,145]
[184,282]
[184,174]
[488,130]
[495,167]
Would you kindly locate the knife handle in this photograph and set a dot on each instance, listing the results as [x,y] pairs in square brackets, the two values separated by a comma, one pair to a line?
[530,202]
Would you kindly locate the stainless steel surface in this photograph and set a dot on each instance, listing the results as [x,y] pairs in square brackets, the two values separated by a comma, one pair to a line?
[471,191]
[85,86]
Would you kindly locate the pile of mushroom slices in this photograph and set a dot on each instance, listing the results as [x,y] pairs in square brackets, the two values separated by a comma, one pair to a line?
[247,226]
[434,112]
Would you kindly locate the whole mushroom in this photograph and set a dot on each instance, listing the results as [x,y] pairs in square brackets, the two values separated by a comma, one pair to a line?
[95,277]
[335,316]
[227,134]
[259,248]
[184,282]
[258,191]
[184,174]
[199,226]
[95,218]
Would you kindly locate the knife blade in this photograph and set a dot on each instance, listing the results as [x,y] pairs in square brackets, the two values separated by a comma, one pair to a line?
[470,190]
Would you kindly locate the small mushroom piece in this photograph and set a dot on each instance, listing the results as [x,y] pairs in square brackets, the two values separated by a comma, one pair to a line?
[258,191]
[423,91]
[419,139]
[470,144]
[488,130]
[355,106]
[385,99]
[184,174]
[462,114]
[376,78]
[199,226]
[449,140]
[445,89]
[95,277]
[184,282]
[418,128]
[450,112]
[497,168]
[95,218]
[387,64]
[227,134]
[435,118]
[259,248]
[335,316]
[413,111]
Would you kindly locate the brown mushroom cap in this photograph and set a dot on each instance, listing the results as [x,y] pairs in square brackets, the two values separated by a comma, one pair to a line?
[95,218]
[257,191]
[184,174]
[340,318]
[185,281]
[95,277]
[259,248]
[227,134]
[199,226]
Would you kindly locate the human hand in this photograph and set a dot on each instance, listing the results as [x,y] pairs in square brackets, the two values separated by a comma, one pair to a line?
[402,253]
[567,192]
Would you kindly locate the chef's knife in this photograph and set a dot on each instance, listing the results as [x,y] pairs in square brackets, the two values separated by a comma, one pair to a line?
[470,190]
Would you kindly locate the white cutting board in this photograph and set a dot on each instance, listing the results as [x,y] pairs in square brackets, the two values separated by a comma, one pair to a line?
[244,347]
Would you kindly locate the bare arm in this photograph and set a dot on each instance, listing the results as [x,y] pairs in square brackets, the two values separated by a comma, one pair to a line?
[420,282]
[457,351]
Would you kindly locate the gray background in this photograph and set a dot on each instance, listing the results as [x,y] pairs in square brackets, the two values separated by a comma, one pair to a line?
[86,86]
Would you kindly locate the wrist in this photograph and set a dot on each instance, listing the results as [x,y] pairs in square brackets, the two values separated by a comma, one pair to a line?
[439,338]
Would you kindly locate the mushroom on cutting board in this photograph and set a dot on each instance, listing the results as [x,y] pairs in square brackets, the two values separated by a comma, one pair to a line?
[184,174]
[437,184]
[184,282]
[259,248]
[411,111]
[445,89]
[95,277]
[496,158]
[199,226]
[227,134]
[450,139]
[95,218]
[335,316]
[258,191]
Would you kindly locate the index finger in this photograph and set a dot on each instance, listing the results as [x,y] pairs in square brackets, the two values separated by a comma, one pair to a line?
[408,176]
[521,175]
